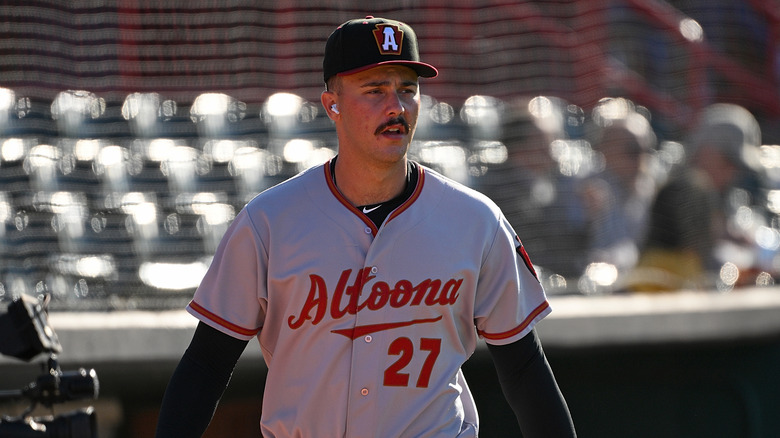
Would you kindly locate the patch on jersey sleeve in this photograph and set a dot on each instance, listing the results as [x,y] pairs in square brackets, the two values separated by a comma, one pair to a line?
[524,255]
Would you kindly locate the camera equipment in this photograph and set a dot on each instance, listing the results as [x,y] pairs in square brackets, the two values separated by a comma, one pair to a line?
[24,334]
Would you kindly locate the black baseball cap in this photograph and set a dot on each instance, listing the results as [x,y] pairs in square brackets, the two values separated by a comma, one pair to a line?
[365,43]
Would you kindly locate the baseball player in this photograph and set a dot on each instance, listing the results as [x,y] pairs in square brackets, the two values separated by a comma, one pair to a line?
[368,281]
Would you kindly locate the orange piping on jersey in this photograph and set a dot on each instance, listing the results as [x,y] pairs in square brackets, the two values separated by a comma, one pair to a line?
[415,195]
[337,193]
[508,334]
[228,325]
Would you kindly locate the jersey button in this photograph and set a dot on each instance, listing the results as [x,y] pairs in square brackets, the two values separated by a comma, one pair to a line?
[374,270]
[368,230]
[368,338]
[364,391]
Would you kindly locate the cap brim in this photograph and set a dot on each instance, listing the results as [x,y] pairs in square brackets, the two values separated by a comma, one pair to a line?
[423,70]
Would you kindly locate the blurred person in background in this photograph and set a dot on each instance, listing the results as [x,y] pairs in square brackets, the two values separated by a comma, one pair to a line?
[618,197]
[538,199]
[693,231]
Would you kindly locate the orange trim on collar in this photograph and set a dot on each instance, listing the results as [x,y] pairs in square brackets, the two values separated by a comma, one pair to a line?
[403,207]
[416,194]
[337,193]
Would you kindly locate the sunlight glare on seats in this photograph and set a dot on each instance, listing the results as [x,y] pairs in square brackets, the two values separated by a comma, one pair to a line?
[7,104]
[87,149]
[222,150]
[141,222]
[483,115]
[72,108]
[173,276]
[283,111]
[215,217]
[6,212]
[180,166]
[110,166]
[91,266]
[213,112]
[145,111]
[159,149]
[14,149]
[448,157]
[41,164]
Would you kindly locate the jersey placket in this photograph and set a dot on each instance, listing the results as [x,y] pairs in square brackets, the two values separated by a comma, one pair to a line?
[365,373]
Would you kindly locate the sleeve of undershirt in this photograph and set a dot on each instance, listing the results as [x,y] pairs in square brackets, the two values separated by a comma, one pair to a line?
[198,383]
[531,390]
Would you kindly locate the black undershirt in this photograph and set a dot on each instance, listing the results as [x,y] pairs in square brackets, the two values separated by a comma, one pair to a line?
[378,212]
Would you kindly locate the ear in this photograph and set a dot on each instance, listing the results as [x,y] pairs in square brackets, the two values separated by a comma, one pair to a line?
[330,101]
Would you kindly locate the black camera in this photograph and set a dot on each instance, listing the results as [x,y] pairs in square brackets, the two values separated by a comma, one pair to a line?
[26,334]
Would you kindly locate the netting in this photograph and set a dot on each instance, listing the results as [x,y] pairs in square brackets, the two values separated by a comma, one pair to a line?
[131,132]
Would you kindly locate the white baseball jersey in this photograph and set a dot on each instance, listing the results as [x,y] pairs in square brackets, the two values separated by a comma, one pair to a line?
[364,330]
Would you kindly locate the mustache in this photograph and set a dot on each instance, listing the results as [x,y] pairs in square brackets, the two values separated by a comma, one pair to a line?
[394,121]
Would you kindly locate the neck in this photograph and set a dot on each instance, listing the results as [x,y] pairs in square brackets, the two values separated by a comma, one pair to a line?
[366,185]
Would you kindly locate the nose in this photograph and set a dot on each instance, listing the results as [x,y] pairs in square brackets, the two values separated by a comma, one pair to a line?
[394,104]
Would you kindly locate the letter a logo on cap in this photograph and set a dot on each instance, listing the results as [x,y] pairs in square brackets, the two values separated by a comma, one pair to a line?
[389,39]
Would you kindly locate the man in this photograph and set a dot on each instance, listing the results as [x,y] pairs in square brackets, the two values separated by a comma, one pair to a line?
[689,217]
[367,280]
[533,192]
[618,197]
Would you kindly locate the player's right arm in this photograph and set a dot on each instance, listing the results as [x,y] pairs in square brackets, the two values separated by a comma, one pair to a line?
[198,383]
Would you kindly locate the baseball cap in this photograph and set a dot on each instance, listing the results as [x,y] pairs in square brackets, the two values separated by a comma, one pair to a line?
[364,43]
[732,130]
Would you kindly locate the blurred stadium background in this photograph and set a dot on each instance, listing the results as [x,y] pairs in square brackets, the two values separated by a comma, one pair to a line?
[131,132]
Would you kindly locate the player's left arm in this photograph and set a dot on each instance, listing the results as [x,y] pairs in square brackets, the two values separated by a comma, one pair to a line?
[531,390]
